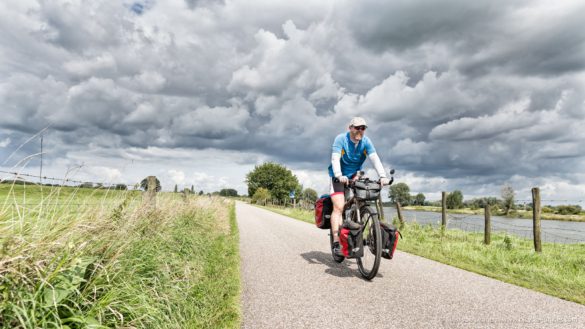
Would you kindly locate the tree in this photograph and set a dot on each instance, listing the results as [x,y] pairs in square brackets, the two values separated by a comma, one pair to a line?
[144,185]
[274,177]
[122,187]
[201,192]
[508,198]
[261,195]
[192,189]
[309,194]
[400,193]
[419,199]
[455,200]
[228,192]
[176,188]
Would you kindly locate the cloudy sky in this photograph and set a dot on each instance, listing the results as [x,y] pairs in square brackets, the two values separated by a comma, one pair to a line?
[467,95]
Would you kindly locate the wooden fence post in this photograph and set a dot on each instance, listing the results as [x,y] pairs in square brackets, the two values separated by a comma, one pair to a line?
[487,238]
[399,212]
[444,210]
[151,192]
[536,219]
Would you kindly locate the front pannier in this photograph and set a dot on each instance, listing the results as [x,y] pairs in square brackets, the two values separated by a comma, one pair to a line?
[323,210]
[367,190]
[390,236]
[352,242]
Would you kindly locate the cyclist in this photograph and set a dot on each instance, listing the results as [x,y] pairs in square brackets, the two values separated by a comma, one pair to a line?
[349,151]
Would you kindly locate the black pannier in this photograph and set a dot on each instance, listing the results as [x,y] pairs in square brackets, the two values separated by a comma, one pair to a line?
[367,190]
[390,236]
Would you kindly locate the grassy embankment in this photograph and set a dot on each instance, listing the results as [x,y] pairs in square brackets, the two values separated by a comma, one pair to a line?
[96,258]
[558,271]
[519,213]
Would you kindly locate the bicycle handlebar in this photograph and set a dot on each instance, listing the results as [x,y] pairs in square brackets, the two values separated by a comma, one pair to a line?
[351,181]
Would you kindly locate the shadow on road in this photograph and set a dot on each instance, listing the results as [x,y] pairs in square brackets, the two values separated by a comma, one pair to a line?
[337,269]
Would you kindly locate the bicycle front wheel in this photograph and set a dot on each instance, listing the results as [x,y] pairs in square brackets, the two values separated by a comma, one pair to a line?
[369,263]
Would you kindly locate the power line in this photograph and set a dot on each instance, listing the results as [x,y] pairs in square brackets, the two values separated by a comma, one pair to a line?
[18,175]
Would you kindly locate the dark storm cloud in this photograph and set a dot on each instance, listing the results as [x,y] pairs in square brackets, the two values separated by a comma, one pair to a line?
[400,25]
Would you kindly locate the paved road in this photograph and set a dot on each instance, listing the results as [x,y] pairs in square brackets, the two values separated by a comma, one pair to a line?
[290,281]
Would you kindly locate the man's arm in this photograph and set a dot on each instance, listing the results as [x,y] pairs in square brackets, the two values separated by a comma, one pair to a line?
[336,160]
[375,159]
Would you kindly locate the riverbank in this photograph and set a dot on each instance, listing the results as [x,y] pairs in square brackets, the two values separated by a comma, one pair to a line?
[558,271]
[526,214]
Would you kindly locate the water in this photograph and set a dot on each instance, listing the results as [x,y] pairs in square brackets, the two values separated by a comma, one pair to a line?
[552,230]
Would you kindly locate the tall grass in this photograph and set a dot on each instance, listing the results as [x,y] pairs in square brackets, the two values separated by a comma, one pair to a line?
[79,258]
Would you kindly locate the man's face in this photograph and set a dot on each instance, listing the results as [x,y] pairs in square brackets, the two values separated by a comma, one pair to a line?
[357,133]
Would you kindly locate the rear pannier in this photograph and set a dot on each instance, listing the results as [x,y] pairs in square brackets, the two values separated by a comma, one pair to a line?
[323,210]
[367,190]
[390,236]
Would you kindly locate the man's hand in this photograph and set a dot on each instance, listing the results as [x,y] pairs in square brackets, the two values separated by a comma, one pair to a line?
[384,181]
[343,179]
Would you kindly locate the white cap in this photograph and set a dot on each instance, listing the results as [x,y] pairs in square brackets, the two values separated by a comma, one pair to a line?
[357,121]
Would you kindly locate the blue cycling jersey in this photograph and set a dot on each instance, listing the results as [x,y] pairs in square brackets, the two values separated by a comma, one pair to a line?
[352,155]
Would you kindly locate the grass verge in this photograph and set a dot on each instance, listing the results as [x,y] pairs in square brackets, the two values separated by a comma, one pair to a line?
[113,263]
[558,271]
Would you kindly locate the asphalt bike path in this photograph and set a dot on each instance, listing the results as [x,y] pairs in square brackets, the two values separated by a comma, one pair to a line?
[289,280]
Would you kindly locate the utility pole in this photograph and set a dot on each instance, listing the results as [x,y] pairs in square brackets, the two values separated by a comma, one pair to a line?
[41,172]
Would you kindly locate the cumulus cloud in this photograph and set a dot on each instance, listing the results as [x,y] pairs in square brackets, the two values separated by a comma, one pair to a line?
[177,176]
[5,142]
[452,89]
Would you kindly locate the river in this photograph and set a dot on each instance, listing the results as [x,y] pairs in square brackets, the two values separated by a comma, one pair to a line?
[552,230]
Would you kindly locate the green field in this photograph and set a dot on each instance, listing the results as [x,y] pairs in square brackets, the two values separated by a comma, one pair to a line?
[558,271]
[86,258]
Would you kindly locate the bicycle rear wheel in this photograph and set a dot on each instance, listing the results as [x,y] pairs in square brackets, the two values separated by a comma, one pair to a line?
[336,258]
[369,263]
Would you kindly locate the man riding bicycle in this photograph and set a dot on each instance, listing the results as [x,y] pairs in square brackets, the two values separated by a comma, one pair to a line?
[349,151]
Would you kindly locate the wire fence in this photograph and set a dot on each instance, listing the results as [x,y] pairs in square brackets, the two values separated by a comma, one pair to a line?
[19,178]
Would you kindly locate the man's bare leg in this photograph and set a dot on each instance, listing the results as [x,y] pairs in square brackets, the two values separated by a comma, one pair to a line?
[336,218]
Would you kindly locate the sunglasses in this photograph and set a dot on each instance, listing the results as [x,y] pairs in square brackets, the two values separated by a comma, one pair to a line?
[362,128]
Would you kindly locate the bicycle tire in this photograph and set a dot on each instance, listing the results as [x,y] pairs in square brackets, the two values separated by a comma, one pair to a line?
[372,236]
[336,258]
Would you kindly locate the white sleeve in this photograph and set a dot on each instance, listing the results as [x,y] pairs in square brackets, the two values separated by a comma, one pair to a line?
[336,164]
[377,165]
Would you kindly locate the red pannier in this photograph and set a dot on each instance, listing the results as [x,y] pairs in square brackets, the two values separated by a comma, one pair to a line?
[323,210]
[390,236]
[352,242]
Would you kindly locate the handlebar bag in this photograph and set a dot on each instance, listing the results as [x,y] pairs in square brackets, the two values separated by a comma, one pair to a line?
[352,242]
[389,239]
[367,190]
[323,210]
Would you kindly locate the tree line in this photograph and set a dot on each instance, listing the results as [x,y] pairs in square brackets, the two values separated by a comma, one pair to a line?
[400,193]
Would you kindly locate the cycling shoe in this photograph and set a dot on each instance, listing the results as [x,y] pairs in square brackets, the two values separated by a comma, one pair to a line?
[337,249]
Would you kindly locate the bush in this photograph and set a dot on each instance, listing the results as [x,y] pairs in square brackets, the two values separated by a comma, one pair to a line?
[568,210]
[260,196]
